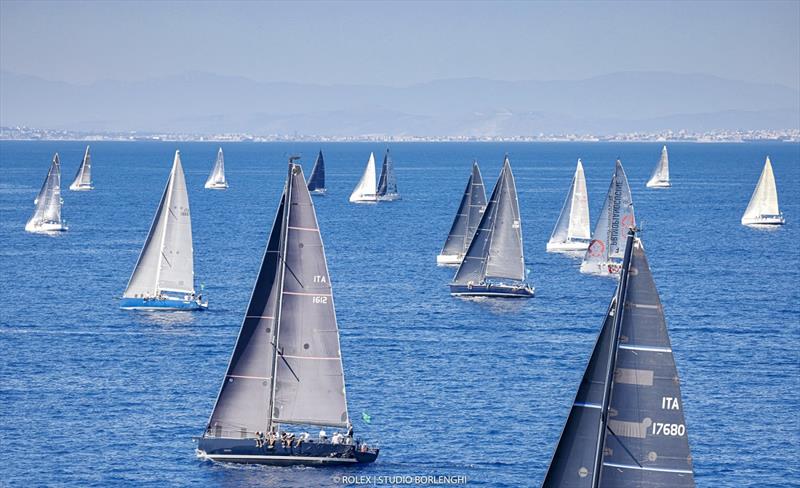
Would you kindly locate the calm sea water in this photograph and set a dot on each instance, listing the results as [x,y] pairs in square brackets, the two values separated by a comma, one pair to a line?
[94,396]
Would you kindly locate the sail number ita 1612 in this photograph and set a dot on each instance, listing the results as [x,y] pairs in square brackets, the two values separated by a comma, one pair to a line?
[673,430]
[319,299]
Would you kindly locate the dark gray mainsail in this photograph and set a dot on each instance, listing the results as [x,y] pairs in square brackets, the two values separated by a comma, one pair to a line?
[387,184]
[286,367]
[626,426]
[316,182]
[472,206]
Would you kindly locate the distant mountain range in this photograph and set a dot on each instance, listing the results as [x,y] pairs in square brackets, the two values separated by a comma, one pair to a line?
[209,103]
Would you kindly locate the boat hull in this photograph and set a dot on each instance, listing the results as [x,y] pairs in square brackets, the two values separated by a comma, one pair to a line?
[216,186]
[567,246]
[45,227]
[764,220]
[389,198]
[659,184]
[81,187]
[310,452]
[320,192]
[449,259]
[167,304]
[499,290]
[364,200]
[609,268]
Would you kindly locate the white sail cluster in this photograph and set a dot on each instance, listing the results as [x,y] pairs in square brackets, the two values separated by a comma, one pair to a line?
[763,207]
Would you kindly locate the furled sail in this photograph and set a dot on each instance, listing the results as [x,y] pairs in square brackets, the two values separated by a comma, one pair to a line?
[606,249]
[217,179]
[47,215]
[286,367]
[365,190]
[83,178]
[473,204]
[573,222]
[660,176]
[166,262]
[496,248]
[387,184]
[764,201]
[626,426]
[316,182]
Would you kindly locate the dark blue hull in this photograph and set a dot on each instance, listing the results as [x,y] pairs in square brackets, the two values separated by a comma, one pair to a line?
[492,290]
[310,452]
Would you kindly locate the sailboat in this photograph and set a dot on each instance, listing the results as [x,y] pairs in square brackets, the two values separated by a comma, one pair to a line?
[47,216]
[83,178]
[572,232]
[660,176]
[286,366]
[626,425]
[316,182]
[494,264]
[606,249]
[216,180]
[366,190]
[763,207]
[387,183]
[163,278]
[473,203]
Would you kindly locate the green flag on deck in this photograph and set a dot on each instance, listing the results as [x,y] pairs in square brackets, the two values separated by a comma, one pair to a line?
[366,417]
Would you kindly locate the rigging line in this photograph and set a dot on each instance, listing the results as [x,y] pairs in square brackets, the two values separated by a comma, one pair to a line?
[165,259]
[292,272]
[280,354]
[623,446]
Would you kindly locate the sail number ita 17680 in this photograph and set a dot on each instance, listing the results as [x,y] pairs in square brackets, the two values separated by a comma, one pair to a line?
[673,430]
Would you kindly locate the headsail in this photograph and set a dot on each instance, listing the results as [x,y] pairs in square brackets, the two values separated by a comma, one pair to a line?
[473,204]
[496,248]
[47,215]
[573,221]
[606,249]
[83,177]
[290,373]
[166,262]
[316,182]
[660,176]
[387,185]
[365,189]
[626,426]
[216,179]
[764,201]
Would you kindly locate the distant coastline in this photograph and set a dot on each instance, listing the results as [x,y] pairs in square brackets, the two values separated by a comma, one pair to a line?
[35,134]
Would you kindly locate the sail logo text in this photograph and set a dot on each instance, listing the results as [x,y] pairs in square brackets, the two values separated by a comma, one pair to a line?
[402,480]
[670,403]
[614,237]
[320,279]
[673,430]
[319,299]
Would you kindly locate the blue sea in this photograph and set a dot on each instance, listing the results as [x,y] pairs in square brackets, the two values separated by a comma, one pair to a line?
[94,396]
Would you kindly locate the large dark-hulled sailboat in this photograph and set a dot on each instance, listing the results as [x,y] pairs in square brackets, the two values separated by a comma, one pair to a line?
[316,182]
[468,216]
[626,427]
[286,367]
[387,183]
[494,265]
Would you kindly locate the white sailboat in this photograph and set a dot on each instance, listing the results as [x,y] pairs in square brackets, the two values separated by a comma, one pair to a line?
[572,231]
[83,178]
[660,176]
[216,180]
[47,216]
[607,247]
[163,278]
[763,207]
[366,190]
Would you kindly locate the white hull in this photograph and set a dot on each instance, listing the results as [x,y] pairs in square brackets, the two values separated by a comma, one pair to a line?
[322,191]
[609,268]
[449,259]
[388,198]
[216,186]
[75,187]
[567,246]
[44,227]
[659,184]
[364,199]
[764,220]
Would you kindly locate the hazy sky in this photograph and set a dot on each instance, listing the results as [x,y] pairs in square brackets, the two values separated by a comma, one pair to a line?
[399,43]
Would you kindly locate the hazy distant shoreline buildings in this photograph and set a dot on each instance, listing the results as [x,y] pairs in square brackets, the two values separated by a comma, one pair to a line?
[34,134]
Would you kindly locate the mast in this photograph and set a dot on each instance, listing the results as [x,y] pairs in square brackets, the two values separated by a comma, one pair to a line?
[612,357]
[281,276]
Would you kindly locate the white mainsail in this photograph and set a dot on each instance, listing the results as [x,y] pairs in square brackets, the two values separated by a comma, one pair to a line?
[216,180]
[660,176]
[166,263]
[572,231]
[607,247]
[83,178]
[366,189]
[47,216]
[763,207]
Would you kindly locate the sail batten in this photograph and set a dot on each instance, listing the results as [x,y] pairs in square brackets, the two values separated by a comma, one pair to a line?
[763,206]
[660,176]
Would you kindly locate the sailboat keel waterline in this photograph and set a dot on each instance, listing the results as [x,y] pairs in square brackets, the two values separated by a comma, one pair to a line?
[310,452]
[164,303]
[499,290]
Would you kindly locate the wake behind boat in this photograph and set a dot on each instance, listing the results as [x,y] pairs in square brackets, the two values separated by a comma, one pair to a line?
[366,190]
[216,180]
[604,254]
[626,427]
[660,176]
[47,216]
[316,182]
[83,178]
[163,278]
[572,232]
[473,204]
[494,265]
[763,207]
[286,367]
